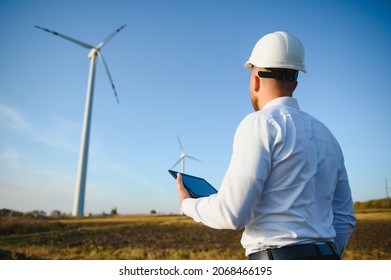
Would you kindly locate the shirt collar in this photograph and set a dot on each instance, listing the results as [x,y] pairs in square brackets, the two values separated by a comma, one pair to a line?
[284,101]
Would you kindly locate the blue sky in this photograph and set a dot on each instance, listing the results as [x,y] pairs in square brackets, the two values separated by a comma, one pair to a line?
[178,70]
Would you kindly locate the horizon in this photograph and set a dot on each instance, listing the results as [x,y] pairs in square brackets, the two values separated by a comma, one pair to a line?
[153,212]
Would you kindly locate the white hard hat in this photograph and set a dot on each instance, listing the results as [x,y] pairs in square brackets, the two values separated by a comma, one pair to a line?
[278,50]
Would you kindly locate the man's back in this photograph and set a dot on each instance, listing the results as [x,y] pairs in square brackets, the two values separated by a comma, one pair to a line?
[306,165]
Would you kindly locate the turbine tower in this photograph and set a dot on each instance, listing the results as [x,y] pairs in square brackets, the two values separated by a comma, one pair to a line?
[183,156]
[78,206]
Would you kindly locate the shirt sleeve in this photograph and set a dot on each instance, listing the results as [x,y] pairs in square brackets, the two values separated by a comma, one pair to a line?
[231,207]
[344,220]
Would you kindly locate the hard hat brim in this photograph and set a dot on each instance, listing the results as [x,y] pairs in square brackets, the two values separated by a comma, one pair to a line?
[249,64]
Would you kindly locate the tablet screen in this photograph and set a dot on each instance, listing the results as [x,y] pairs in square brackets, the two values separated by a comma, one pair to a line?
[196,186]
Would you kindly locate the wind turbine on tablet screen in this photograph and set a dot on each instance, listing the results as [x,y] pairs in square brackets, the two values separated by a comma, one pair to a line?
[183,156]
[78,207]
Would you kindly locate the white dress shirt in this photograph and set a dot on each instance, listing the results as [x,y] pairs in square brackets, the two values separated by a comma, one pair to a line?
[286,183]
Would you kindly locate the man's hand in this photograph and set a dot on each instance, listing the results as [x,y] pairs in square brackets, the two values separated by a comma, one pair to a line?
[183,193]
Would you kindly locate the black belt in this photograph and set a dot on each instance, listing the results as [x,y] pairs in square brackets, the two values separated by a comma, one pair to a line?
[297,252]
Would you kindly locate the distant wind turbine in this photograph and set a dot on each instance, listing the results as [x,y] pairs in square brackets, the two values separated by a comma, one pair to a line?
[78,207]
[183,156]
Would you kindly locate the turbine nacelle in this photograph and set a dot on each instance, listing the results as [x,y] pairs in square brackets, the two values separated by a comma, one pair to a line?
[93,52]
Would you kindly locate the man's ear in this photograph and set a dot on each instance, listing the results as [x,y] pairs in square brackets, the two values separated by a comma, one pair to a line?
[294,86]
[256,83]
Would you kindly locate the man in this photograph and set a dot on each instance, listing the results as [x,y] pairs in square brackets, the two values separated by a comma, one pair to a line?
[286,183]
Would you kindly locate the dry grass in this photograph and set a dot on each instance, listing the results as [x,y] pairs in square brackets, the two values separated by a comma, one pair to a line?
[156,237]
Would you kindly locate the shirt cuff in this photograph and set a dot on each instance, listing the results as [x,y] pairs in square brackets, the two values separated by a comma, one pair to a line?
[188,206]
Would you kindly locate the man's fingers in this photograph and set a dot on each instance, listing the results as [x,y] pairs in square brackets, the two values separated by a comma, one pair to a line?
[183,193]
[179,180]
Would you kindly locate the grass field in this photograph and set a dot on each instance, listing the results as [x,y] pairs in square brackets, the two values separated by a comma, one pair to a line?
[157,237]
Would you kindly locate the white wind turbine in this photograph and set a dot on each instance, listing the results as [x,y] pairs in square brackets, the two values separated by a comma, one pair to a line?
[78,206]
[183,156]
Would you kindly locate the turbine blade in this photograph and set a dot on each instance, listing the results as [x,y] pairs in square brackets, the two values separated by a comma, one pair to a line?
[105,41]
[193,158]
[176,163]
[180,145]
[108,75]
[80,43]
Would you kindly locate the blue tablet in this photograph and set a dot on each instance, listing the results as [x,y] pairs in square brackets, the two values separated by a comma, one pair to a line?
[196,186]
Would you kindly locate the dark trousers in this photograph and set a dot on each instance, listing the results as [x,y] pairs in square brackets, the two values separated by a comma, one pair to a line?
[325,251]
